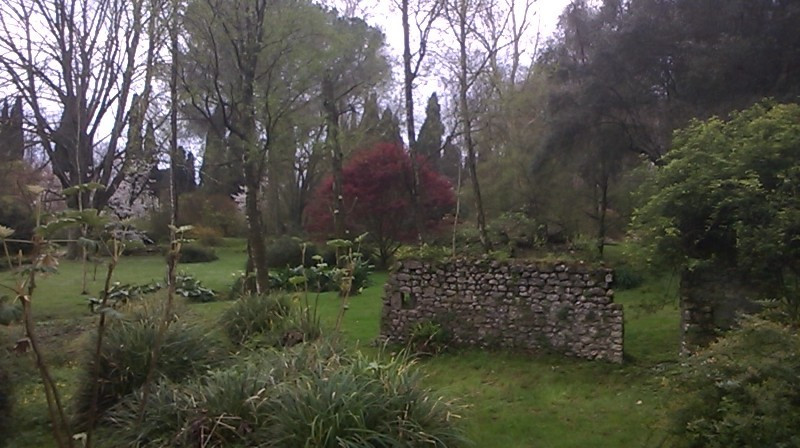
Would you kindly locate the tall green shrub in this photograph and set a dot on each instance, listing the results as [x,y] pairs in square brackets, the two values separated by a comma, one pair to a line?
[743,391]
[5,399]
[727,195]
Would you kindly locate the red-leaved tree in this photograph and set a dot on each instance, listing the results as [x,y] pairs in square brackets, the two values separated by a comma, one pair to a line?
[377,197]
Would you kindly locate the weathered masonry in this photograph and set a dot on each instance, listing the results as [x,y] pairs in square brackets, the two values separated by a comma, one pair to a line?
[712,299]
[562,307]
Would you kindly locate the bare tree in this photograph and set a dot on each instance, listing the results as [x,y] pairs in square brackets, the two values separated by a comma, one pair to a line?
[478,35]
[76,64]
[228,46]
[521,15]
[426,12]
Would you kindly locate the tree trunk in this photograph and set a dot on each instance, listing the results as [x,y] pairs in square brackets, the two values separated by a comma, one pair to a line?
[466,118]
[408,81]
[602,207]
[332,140]
[173,119]
[255,234]
[245,123]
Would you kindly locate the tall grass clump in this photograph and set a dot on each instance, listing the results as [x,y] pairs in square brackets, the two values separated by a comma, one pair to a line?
[310,395]
[362,403]
[273,320]
[187,350]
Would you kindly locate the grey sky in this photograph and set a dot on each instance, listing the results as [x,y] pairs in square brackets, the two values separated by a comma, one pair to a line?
[384,16]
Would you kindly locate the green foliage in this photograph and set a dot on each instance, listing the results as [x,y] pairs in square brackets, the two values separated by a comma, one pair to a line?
[15,201]
[361,269]
[321,277]
[742,391]
[431,133]
[254,315]
[468,241]
[9,311]
[627,277]
[206,236]
[311,396]
[517,231]
[192,253]
[125,357]
[424,252]
[727,188]
[287,251]
[237,288]
[370,403]
[727,194]
[186,285]
[274,320]
[157,225]
[6,392]
[136,248]
[215,213]
[510,232]
[122,293]
[428,337]
[225,406]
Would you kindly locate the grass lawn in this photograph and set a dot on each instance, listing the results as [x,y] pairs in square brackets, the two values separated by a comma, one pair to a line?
[508,399]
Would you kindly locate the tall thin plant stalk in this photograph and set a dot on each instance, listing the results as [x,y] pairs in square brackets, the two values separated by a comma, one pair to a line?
[62,430]
[115,251]
[176,234]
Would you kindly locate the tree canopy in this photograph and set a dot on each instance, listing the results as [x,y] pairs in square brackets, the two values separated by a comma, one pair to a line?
[728,194]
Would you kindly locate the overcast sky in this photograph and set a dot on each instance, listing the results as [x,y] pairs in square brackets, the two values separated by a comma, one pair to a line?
[383,14]
[545,18]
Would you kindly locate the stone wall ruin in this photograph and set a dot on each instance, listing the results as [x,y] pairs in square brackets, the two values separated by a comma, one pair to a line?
[562,307]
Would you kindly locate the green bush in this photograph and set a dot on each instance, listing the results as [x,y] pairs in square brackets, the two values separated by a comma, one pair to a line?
[424,252]
[157,225]
[362,269]
[5,398]
[120,294]
[428,338]
[742,391]
[192,253]
[517,230]
[269,320]
[125,357]
[627,277]
[311,396]
[214,211]
[287,251]
[321,277]
[192,289]
[136,248]
[10,311]
[207,236]
[236,289]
